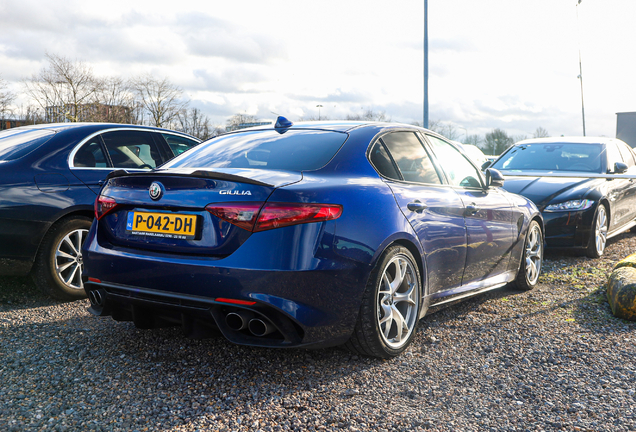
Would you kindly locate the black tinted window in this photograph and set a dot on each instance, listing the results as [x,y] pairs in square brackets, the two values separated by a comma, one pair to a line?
[179,144]
[16,143]
[553,157]
[132,149]
[411,158]
[382,162]
[294,150]
[90,155]
[627,153]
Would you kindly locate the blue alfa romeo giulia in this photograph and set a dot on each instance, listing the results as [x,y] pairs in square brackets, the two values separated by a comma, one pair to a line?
[311,235]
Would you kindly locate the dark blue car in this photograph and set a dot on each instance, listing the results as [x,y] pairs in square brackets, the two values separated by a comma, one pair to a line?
[50,175]
[309,235]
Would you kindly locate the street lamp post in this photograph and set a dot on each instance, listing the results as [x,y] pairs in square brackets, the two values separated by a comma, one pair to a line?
[580,77]
[318,106]
[425,116]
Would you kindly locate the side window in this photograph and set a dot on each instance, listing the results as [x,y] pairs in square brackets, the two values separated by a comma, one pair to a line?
[459,171]
[613,156]
[90,155]
[382,162]
[411,158]
[178,144]
[627,153]
[132,149]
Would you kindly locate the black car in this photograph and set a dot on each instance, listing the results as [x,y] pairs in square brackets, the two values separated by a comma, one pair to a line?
[581,211]
[50,175]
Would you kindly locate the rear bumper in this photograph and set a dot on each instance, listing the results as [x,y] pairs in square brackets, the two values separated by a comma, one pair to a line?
[311,299]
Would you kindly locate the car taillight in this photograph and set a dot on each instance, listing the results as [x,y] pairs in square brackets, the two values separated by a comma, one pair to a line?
[240,214]
[276,215]
[258,217]
[103,205]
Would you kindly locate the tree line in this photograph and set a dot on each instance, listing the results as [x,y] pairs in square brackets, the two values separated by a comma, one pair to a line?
[69,91]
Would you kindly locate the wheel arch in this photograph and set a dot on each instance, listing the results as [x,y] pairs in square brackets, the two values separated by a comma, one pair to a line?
[82,212]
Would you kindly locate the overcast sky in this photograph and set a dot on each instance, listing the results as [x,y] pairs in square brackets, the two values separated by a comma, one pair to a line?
[510,64]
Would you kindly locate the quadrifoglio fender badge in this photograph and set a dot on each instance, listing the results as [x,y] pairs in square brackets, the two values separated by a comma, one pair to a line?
[234,192]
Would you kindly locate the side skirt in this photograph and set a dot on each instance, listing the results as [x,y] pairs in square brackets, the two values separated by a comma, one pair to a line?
[472,289]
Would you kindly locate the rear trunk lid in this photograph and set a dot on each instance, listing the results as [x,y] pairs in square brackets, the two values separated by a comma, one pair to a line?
[165,210]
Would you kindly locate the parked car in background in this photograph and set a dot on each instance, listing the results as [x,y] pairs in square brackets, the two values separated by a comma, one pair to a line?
[579,211]
[50,175]
[308,235]
[475,154]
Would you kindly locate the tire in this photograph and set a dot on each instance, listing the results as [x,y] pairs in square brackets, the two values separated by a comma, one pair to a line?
[388,316]
[58,265]
[598,235]
[532,259]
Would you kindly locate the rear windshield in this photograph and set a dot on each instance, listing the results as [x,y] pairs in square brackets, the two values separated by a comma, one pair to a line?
[294,150]
[553,156]
[16,143]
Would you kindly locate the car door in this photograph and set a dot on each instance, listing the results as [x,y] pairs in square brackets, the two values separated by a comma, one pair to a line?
[630,196]
[488,215]
[618,191]
[433,209]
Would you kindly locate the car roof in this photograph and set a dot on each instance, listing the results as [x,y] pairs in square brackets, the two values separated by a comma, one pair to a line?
[58,127]
[336,125]
[569,140]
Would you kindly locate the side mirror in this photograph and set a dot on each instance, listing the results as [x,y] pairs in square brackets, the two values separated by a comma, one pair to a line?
[494,178]
[620,167]
[486,165]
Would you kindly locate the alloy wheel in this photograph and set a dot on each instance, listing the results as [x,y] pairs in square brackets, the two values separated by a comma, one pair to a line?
[600,233]
[398,299]
[68,259]
[534,254]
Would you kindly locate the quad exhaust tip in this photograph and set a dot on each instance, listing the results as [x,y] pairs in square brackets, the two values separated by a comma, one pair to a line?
[259,328]
[96,298]
[238,320]
[241,320]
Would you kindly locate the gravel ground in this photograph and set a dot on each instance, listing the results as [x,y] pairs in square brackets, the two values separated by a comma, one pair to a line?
[550,359]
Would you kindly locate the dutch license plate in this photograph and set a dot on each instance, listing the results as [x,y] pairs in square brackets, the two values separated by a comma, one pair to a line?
[180,226]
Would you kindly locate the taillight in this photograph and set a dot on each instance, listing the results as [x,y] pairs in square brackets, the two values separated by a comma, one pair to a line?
[240,214]
[104,205]
[258,217]
[276,215]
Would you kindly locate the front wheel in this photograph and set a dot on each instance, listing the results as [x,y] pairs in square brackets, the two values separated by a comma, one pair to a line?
[58,266]
[598,236]
[532,259]
[390,306]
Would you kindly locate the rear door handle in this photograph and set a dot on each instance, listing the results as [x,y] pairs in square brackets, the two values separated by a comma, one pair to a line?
[417,206]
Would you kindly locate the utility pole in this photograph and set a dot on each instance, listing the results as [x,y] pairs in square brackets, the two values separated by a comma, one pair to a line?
[580,66]
[425,119]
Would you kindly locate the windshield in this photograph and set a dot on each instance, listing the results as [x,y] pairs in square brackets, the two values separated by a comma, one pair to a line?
[294,150]
[552,157]
[18,142]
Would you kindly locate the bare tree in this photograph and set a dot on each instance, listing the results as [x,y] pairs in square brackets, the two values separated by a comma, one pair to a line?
[159,98]
[540,133]
[6,99]
[193,122]
[497,141]
[65,89]
[116,102]
[475,140]
[369,115]
[236,120]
